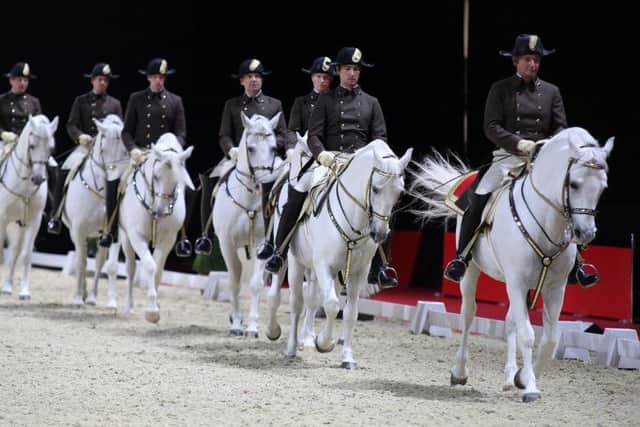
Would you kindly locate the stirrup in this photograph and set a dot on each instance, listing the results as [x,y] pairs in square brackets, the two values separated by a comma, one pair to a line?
[274,264]
[455,269]
[387,277]
[589,277]
[183,248]
[105,240]
[265,250]
[54,225]
[204,245]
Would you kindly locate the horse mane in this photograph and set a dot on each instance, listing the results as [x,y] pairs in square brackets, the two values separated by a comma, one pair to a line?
[169,142]
[587,145]
[389,159]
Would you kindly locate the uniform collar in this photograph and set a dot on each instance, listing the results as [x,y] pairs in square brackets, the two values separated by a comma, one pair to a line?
[259,98]
[151,94]
[342,92]
[313,95]
[520,83]
[13,95]
[95,97]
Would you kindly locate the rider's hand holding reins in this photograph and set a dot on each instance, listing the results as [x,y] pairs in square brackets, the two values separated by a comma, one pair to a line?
[233,153]
[137,156]
[526,146]
[84,139]
[326,158]
[8,136]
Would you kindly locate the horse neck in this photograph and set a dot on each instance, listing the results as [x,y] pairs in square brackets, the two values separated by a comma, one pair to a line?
[354,181]
[16,164]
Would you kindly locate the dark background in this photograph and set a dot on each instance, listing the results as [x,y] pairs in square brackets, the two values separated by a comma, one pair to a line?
[419,73]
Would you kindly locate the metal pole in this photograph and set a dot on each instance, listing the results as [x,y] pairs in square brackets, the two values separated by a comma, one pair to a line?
[465,54]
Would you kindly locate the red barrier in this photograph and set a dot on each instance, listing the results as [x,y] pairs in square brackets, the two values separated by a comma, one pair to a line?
[404,249]
[611,298]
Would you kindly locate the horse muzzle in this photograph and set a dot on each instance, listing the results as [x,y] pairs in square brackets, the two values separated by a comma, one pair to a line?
[38,179]
[584,237]
[379,236]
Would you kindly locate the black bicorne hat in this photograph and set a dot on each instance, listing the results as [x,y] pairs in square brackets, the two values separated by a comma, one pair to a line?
[527,44]
[157,66]
[21,69]
[251,65]
[101,69]
[321,64]
[351,56]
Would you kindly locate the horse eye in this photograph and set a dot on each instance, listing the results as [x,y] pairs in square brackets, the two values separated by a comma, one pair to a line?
[375,190]
[574,185]
[251,149]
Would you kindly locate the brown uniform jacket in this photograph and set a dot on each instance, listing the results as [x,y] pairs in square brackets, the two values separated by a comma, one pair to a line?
[515,111]
[345,121]
[149,115]
[87,107]
[301,111]
[231,127]
[15,111]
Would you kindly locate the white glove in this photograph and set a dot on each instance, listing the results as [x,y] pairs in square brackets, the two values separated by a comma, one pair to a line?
[7,136]
[326,158]
[526,146]
[85,139]
[233,153]
[52,162]
[137,155]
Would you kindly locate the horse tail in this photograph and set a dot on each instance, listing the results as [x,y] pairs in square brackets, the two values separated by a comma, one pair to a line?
[433,179]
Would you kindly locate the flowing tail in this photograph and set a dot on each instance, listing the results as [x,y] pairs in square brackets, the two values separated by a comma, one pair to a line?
[433,179]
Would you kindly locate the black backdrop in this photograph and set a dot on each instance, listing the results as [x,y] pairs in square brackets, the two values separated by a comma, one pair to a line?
[418,77]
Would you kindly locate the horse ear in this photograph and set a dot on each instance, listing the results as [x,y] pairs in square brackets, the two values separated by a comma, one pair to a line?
[187,179]
[608,146]
[245,119]
[157,152]
[404,160]
[54,124]
[99,125]
[274,120]
[185,154]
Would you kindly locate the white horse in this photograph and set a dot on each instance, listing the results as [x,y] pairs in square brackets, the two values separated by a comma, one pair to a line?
[84,208]
[152,210]
[237,214]
[536,225]
[311,292]
[23,171]
[342,239]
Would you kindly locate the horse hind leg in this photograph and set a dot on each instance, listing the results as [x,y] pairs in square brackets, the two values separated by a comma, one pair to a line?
[459,371]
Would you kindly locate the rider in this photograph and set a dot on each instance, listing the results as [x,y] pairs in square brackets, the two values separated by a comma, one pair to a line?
[150,113]
[17,105]
[322,72]
[520,110]
[253,101]
[345,119]
[95,104]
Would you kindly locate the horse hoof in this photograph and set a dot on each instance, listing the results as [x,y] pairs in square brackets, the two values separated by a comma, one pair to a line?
[341,341]
[323,350]
[236,333]
[251,334]
[152,316]
[531,397]
[507,387]
[458,381]
[91,302]
[349,365]
[5,292]
[277,336]
[517,382]
[24,297]
[112,304]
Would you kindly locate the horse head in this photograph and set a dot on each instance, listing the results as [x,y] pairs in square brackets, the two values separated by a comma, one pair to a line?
[35,145]
[109,150]
[169,174]
[384,185]
[257,148]
[580,183]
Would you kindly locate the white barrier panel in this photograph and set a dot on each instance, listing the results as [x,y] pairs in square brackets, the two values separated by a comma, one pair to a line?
[421,321]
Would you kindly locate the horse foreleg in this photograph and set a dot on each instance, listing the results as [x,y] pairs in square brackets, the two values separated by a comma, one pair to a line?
[295,275]
[274,330]
[99,263]
[234,268]
[325,341]
[111,268]
[349,317]
[160,253]
[553,299]
[311,296]
[256,285]
[524,378]
[7,258]
[511,365]
[13,253]
[29,237]
[130,256]
[80,243]
[459,371]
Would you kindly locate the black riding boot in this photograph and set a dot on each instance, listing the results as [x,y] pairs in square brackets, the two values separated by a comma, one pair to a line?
[579,275]
[54,225]
[266,250]
[381,273]
[470,221]
[204,244]
[288,220]
[183,245]
[111,235]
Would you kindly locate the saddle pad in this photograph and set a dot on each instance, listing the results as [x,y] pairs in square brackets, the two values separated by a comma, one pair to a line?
[455,199]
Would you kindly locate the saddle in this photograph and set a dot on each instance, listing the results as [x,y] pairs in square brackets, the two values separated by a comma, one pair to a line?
[323,180]
[458,198]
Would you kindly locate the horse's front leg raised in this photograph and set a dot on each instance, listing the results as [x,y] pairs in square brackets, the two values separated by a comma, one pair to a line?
[325,341]
[349,317]
[459,372]
[525,377]
[295,275]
